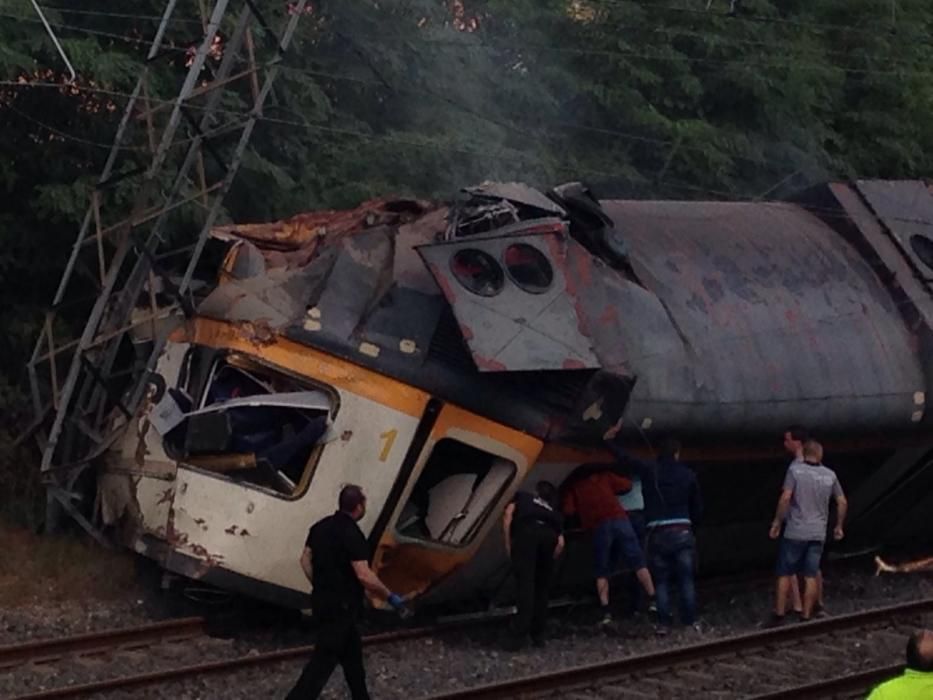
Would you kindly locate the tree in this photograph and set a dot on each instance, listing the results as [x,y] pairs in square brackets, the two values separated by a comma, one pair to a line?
[666,98]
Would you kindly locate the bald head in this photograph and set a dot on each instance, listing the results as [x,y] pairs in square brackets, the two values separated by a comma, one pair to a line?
[813,451]
[920,651]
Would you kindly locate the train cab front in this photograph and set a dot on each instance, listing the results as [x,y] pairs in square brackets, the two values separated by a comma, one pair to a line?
[263,433]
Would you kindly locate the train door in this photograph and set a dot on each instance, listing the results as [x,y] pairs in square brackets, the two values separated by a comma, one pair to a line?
[459,483]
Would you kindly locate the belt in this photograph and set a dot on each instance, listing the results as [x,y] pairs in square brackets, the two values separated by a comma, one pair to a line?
[534,521]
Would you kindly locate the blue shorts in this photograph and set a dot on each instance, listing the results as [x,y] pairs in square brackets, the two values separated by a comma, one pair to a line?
[615,540]
[799,557]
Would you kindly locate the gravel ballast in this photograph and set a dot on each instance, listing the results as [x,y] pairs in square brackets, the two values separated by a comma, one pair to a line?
[471,656]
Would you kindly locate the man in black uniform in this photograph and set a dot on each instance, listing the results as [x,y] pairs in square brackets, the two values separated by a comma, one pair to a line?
[336,561]
[533,540]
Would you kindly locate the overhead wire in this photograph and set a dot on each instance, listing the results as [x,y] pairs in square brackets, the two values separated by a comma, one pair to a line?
[508,153]
[548,48]
[123,15]
[453,103]
[408,142]
[743,15]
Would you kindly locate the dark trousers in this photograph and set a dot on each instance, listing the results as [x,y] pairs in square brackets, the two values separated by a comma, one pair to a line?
[633,587]
[672,557]
[533,547]
[338,642]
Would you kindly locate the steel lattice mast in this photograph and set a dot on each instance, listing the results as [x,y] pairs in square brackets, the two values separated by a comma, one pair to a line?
[125,250]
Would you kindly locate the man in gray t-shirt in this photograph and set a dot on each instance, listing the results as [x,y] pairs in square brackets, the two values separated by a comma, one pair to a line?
[804,502]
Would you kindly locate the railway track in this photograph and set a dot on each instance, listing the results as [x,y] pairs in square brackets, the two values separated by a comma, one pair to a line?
[93,643]
[836,657]
[73,648]
[765,665]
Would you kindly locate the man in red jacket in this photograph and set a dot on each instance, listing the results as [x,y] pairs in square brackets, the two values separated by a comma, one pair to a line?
[593,498]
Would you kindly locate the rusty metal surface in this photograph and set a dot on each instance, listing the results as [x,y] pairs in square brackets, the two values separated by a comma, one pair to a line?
[515,330]
[779,320]
[738,316]
[905,208]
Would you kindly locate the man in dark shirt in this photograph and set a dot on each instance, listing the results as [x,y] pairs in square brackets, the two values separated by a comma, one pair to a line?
[533,539]
[336,561]
[672,508]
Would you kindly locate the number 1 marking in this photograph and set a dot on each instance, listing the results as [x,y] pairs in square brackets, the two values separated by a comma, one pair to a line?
[388,439]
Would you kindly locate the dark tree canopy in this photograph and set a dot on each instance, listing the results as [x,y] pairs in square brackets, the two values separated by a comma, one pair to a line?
[646,98]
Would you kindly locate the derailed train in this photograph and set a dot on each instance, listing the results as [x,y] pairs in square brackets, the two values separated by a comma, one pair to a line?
[440,355]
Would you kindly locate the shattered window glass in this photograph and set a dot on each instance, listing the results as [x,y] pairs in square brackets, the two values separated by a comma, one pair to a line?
[477,271]
[255,426]
[529,268]
[456,492]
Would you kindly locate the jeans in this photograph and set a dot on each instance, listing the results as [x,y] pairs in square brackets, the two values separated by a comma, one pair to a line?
[636,594]
[672,555]
[533,547]
[799,557]
[338,642]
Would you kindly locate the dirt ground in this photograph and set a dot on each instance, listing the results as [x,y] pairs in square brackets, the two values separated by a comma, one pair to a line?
[52,569]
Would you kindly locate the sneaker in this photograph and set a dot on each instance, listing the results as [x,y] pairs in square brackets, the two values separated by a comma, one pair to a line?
[662,630]
[652,606]
[606,619]
[698,627]
[819,612]
[774,621]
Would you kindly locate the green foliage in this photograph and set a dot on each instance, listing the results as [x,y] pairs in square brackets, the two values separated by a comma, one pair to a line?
[636,97]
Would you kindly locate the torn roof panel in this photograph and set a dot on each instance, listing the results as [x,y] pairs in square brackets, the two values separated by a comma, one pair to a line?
[309,229]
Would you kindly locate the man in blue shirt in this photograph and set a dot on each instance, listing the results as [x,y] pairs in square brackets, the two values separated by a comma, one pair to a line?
[672,508]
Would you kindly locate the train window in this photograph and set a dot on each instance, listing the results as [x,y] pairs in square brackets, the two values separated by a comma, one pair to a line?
[255,441]
[455,493]
[255,426]
[528,268]
[477,271]
[923,248]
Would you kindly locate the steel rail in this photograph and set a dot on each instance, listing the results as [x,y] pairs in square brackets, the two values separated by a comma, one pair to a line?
[593,674]
[97,642]
[853,683]
[223,665]
[575,676]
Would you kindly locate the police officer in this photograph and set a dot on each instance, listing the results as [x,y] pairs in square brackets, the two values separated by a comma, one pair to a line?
[533,539]
[336,561]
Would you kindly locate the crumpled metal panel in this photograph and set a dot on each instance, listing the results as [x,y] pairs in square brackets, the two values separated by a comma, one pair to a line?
[517,193]
[764,315]
[294,242]
[275,298]
[359,276]
[516,330]
[905,207]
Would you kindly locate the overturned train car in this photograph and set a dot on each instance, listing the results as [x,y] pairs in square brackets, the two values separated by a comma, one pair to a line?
[443,355]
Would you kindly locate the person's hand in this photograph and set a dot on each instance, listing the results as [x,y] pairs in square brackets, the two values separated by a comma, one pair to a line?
[613,431]
[398,604]
[775,531]
[559,549]
[838,534]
